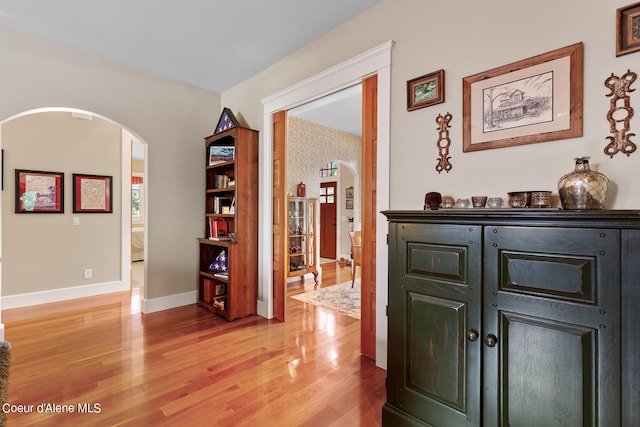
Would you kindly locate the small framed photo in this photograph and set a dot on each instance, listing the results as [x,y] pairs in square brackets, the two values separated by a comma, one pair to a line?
[221,289]
[349,204]
[349,192]
[628,29]
[221,154]
[39,192]
[425,91]
[92,193]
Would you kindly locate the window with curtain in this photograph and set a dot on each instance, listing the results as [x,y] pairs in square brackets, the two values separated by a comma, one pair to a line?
[137,199]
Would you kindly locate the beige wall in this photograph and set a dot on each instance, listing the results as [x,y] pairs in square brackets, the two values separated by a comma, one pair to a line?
[171,117]
[465,38]
[42,252]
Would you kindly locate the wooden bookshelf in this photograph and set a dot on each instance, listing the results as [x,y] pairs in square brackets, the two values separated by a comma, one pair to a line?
[230,225]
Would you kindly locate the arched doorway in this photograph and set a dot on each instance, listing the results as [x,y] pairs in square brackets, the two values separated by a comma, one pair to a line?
[77,247]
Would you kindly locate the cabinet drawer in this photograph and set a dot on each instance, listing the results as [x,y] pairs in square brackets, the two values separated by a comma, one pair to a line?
[562,264]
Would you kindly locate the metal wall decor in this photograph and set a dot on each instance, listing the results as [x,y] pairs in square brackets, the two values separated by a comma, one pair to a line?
[620,114]
[443,142]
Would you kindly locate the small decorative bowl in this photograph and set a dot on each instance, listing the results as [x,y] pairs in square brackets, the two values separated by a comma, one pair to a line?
[541,199]
[519,199]
[479,201]
[447,202]
[495,202]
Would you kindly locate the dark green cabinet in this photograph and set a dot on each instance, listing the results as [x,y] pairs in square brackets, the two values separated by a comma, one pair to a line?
[513,318]
[434,302]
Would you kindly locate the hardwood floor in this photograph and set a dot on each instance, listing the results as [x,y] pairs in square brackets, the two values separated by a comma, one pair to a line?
[186,366]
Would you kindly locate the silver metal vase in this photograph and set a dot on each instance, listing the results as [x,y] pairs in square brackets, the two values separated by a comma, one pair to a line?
[583,189]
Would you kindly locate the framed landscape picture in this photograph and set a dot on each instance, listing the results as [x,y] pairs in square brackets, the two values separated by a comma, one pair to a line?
[220,154]
[425,90]
[534,100]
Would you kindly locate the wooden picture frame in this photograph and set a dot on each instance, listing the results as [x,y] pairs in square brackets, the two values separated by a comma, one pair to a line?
[221,154]
[349,192]
[533,100]
[92,193]
[628,29]
[39,191]
[425,91]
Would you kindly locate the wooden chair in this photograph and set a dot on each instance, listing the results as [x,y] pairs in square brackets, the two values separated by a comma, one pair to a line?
[356,253]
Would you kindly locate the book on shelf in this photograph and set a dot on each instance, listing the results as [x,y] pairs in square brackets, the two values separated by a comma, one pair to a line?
[220,301]
[209,287]
[218,229]
[223,182]
[222,205]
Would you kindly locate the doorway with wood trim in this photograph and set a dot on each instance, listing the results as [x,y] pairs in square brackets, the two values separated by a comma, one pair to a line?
[375,61]
[369,182]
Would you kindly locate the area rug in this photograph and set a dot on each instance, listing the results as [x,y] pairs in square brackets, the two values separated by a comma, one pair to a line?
[341,298]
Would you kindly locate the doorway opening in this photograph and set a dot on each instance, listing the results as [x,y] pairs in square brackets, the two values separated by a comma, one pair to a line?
[376,61]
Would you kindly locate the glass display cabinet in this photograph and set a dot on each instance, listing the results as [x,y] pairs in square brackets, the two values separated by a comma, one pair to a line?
[301,234]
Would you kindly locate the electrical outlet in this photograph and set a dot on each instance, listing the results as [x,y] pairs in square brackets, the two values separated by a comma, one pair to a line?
[76,220]
[88,273]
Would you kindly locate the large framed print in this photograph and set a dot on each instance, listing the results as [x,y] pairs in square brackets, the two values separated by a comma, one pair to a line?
[92,193]
[39,191]
[533,100]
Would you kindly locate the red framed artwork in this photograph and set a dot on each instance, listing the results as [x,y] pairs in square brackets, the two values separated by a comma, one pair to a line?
[39,191]
[92,193]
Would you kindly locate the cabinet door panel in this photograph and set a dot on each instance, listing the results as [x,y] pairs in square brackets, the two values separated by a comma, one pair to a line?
[434,302]
[550,298]
[548,374]
[435,359]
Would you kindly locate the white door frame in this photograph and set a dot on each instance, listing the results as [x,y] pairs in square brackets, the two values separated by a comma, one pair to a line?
[376,61]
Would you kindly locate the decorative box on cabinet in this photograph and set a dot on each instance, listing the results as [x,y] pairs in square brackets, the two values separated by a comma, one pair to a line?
[301,235]
[513,318]
[231,225]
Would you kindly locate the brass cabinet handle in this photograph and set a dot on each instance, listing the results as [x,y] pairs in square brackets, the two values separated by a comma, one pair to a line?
[490,340]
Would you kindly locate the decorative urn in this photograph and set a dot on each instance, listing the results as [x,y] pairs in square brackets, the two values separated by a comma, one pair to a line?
[583,188]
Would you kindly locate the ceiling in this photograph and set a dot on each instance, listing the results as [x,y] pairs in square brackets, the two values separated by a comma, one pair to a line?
[212,44]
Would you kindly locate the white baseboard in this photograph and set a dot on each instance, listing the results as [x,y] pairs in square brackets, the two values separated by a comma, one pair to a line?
[62,294]
[170,301]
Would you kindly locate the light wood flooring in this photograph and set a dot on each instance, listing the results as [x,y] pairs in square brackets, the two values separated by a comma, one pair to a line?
[187,367]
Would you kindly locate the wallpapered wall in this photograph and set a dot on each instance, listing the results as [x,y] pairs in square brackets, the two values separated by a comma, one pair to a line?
[310,146]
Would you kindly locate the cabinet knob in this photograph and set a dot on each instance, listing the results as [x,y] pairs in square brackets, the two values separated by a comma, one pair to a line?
[490,340]
[472,335]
